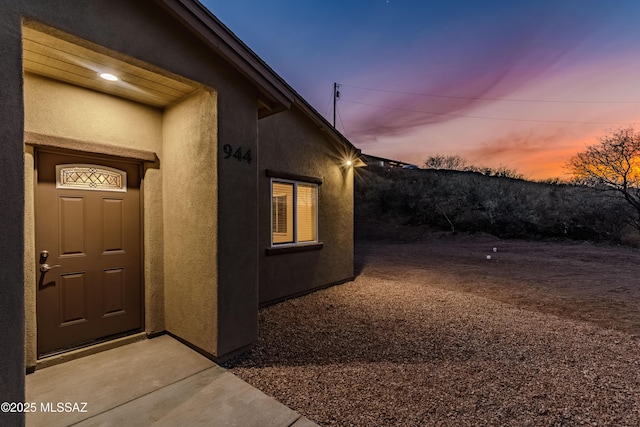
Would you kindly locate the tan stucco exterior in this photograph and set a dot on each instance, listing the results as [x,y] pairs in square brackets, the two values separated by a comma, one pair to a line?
[190,233]
[205,216]
[59,109]
[29,254]
[298,147]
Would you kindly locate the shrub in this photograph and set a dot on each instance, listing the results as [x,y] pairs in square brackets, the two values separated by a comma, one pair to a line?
[473,202]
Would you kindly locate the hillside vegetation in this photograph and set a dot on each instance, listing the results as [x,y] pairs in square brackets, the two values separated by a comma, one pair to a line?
[389,200]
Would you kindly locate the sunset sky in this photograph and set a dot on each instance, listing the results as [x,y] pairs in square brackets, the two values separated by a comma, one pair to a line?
[517,84]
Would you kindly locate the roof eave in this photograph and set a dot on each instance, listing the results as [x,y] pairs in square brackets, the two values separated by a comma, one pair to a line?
[218,37]
[276,94]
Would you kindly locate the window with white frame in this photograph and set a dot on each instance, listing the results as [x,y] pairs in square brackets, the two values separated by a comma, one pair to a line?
[294,212]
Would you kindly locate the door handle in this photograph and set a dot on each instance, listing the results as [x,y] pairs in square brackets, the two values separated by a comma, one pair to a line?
[46,267]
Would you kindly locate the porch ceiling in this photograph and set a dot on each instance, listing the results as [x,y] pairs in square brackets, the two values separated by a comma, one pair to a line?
[59,59]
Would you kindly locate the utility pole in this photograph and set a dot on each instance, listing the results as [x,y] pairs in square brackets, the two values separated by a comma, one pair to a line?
[336,95]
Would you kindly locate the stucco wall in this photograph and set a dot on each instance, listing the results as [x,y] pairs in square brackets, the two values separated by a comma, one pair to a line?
[237,222]
[30,274]
[190,206]
[12,365]
[148,33]
[292,144]
[59,109]
[144,33]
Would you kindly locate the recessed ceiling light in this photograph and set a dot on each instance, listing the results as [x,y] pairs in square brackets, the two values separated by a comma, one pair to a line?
[109,77]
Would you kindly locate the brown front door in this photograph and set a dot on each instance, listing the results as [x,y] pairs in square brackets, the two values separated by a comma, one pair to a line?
[87,250]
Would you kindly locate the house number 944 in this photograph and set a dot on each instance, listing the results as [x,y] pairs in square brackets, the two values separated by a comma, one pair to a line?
[237,154]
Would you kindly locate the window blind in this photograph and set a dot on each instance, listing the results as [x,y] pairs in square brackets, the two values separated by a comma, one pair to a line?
[282,212]
[306,212]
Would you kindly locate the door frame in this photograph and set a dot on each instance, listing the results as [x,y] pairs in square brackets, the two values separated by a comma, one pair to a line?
[35,144]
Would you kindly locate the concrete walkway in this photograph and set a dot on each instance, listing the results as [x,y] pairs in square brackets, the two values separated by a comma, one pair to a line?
[157,382]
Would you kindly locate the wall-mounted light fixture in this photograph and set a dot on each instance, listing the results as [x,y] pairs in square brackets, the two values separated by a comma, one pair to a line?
[348,159]
[351,160]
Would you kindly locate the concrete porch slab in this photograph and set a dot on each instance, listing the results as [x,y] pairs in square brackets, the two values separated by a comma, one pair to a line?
[153,382]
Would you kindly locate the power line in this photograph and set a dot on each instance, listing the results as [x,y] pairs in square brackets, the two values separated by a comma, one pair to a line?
[344,129]
[477,98]
[479,117]
[328,107]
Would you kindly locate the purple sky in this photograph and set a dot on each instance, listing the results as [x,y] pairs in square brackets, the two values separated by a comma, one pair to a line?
[520,84]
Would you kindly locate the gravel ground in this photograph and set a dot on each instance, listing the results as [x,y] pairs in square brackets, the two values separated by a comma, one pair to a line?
[421,348]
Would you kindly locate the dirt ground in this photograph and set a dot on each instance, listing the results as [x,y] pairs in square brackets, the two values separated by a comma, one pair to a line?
[574,280]
[432,333]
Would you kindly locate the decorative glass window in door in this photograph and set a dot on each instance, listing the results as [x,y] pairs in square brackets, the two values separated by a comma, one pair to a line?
[90,177]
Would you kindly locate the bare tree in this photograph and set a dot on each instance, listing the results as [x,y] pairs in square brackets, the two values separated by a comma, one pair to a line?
[614,164]
[446,162]
[459,163]
[500,171]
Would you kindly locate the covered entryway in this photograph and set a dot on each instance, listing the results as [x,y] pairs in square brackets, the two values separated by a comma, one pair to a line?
[88,250]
